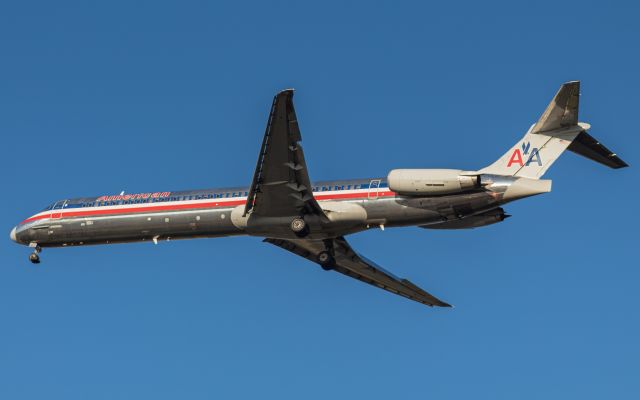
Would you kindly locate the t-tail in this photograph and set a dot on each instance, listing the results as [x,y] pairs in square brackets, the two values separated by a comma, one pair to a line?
[557,130]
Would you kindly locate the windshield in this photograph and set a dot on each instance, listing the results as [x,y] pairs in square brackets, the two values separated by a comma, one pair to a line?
[54,206]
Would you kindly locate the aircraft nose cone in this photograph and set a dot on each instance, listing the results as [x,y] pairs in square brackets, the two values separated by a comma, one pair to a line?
[12,235]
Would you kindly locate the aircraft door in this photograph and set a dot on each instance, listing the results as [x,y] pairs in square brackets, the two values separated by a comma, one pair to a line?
[56,211]
[374,187]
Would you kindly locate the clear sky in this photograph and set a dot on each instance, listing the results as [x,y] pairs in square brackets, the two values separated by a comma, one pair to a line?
[150,96]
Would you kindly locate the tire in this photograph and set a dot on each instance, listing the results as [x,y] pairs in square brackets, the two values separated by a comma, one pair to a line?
[326,261]
[298,225]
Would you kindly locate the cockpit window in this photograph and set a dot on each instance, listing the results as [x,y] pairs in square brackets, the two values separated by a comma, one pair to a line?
[56,206]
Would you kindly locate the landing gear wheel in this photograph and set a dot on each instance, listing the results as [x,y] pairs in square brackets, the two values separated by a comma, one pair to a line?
[299,226]
[34,258]
[326,260]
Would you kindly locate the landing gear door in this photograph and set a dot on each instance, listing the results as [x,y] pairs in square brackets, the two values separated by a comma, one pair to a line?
[374,187]
[56,211]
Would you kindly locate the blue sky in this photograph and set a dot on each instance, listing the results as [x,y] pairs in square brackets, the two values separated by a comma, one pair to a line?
[153,96]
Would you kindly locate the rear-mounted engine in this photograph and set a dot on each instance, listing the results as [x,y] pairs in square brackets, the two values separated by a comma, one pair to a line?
[413,182]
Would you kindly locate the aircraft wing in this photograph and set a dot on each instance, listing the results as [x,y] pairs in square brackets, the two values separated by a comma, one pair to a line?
[281,185]
[350,263]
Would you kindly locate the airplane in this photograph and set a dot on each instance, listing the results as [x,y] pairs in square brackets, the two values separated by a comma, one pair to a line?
[311,220]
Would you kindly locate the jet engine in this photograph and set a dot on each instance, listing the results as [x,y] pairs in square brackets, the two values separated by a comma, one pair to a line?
[412,182]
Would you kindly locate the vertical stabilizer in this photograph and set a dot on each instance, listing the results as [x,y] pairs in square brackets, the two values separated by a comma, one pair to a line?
[562,112]
[546,140]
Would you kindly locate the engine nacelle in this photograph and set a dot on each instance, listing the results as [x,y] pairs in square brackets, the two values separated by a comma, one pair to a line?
[431,181]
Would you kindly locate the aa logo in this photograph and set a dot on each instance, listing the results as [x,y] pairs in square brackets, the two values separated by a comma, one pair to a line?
[518,156]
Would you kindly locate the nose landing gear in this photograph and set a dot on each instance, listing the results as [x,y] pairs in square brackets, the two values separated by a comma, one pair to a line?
[35,257]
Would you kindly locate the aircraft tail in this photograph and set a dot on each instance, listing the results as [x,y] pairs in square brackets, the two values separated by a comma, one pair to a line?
[557,130]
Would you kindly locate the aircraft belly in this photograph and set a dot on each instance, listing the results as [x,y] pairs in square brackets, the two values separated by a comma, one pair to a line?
[392,212]
[406,211]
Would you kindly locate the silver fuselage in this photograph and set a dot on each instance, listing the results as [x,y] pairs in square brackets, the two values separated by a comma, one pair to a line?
[209,213]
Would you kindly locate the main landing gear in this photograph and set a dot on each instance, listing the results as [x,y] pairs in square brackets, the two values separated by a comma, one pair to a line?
[299,227]
[35,257]
[326,260]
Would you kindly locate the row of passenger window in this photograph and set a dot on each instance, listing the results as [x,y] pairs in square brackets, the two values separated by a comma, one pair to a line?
[165,199]
[205,196]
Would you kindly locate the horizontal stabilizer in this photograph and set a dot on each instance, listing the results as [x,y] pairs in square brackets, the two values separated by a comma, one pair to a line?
[587,146]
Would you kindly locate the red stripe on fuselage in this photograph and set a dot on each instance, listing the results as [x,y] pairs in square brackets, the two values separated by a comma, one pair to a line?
[190,206]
